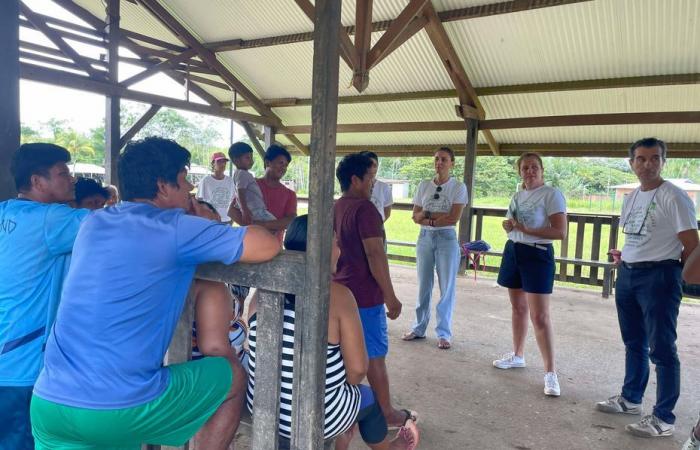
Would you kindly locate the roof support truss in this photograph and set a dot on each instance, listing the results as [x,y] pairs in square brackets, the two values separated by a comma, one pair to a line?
[138,125]
[363,39]
[407,24]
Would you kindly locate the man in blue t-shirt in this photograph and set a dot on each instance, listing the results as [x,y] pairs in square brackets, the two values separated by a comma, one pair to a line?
[37,231]
[103,384]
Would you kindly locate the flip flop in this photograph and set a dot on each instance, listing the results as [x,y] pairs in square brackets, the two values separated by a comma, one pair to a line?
[409,433]
[411,416]
[444,344]
[411,336]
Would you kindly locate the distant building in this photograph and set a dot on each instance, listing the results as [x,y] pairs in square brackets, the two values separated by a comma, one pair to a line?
[86,170]
[399,188]
[687,185]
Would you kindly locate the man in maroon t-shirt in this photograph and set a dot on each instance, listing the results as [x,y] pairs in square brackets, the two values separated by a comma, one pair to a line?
[364,269]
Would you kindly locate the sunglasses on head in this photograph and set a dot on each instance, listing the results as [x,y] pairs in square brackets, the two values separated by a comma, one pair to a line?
[437,195]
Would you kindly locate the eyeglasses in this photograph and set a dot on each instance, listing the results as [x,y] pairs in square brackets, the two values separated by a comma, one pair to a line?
[646,214]
[437,195]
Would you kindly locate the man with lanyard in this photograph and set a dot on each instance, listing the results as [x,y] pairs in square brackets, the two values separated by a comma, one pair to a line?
[37,231]
[658,220]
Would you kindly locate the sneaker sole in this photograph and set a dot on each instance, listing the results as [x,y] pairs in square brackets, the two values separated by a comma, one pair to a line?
[611,411]
[552,394]
[635,432]
[514,366]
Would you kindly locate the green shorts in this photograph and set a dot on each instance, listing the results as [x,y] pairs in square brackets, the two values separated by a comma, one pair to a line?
[195,391]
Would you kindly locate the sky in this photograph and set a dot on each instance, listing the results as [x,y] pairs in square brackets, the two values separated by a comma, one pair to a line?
[83,110]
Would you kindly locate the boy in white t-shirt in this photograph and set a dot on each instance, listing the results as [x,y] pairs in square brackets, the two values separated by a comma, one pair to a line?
[217,188]
[249,198]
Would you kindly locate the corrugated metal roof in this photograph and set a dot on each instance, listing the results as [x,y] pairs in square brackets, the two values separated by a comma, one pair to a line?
[590,40]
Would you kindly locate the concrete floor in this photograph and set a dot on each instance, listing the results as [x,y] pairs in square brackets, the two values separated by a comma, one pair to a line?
[465,403]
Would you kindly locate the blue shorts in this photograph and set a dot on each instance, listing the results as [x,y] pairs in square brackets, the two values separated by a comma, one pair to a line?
[527,267]
[375,330]
[15,428]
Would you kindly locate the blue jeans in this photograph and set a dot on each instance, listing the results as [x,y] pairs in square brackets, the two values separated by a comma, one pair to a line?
[647,302]
[436,249]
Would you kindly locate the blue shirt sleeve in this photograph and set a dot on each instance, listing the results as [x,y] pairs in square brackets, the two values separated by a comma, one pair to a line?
[200,241]
[61,225]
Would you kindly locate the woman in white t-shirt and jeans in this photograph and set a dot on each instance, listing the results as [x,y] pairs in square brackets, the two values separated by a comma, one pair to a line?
[536,217]
[437,207]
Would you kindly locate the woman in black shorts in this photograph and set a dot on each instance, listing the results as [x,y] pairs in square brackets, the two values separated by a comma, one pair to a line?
[536,217]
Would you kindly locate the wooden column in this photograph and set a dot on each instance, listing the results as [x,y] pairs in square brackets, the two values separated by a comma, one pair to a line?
[9,93]
[269,136]
[465,222]
[112,102]
[311,321]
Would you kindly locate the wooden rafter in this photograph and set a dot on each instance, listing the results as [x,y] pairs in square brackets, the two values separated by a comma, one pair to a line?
[363,39]
[59,42]
[469,104]
[175,27]
[143,53]
[347,48]
[166,63]
[253,138]
[407,24]
[69,80]
[557,86]
[139,124]
[521,122]
[473,12]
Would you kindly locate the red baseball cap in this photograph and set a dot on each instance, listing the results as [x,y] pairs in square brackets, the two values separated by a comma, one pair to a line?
[218,156]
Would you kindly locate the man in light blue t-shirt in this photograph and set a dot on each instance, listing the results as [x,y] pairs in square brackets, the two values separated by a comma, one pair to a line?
[37,231]
[103,384]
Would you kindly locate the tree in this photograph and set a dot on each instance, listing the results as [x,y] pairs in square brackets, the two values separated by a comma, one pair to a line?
[78,145]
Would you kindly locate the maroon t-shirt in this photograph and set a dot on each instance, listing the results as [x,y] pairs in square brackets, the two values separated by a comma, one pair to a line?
[355,219]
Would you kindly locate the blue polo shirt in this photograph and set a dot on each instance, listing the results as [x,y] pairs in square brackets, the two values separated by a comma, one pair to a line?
[131,269]
[35,244]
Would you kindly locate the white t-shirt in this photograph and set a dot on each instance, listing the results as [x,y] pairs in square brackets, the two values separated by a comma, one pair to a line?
[532,208]
[381,197]
[217,192]
[452,192]
[668,211]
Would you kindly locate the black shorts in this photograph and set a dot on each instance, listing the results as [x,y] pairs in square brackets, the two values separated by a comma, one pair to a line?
[527,267]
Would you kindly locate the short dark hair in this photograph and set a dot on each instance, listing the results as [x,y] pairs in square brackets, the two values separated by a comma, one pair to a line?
[35,159]
[295,236]
[275,151]
[208,205]
[87,187]
[354,164]
[147,161]
[649,142]
[238,149]
[371,155]
[447,150]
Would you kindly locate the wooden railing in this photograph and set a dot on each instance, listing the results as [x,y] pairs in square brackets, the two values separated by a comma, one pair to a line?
[575,262]
[284,274]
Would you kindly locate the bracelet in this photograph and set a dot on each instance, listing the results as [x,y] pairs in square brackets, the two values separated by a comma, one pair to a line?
[431,222]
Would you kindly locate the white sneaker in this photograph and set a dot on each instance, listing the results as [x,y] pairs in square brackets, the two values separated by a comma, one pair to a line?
[650,426]
[618,405]
[692,443]
[509,361]
[551,384]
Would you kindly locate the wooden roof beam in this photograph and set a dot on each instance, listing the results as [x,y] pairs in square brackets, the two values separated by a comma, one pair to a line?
[363,40]
[79,82]
[167,19]
[347,48]
[472,12]
[558,86]
[407,24]
[54,36]
[166,63]
[521,122]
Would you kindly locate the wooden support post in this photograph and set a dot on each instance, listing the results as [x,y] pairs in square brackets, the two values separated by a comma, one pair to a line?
[465,222]
[138,125]
[9,93]
[311,315]
[112,102]
[269,136]
[268,370]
